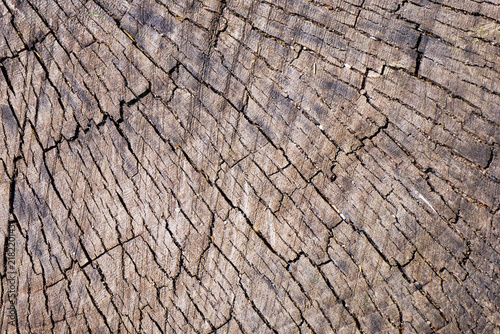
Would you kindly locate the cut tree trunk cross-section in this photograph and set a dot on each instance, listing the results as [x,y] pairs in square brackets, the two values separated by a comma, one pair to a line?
[250,166]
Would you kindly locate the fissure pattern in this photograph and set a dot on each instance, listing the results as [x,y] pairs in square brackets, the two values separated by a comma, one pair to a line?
[251,166]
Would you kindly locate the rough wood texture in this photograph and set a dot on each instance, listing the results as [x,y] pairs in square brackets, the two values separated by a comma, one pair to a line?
[250,166]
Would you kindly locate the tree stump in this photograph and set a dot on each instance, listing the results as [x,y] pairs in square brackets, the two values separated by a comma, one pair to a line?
[243,166]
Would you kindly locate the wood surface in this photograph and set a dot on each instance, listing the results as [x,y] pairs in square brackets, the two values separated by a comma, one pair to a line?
[250,166]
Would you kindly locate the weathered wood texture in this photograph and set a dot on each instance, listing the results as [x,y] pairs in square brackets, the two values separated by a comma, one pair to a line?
[250,166]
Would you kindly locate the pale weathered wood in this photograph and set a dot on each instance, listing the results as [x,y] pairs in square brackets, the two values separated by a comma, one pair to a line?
[250,166]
